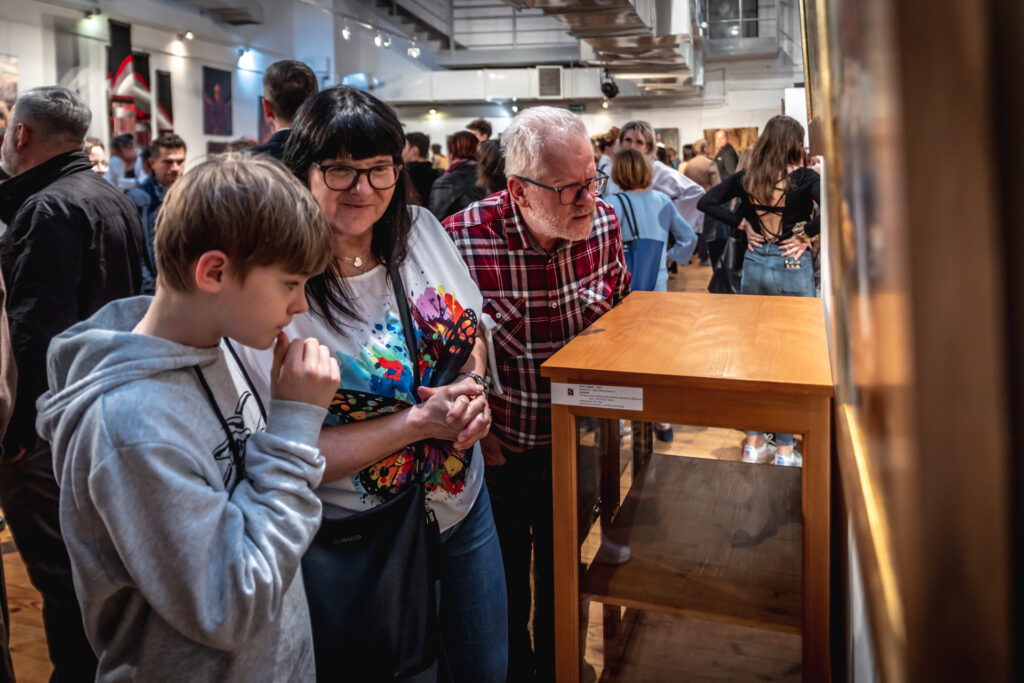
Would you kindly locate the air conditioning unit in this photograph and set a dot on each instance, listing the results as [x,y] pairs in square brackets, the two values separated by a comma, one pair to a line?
[549,82]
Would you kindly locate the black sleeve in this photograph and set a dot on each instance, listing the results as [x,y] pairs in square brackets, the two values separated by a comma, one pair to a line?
[42,279]
[712,201]
[731,159]
[813,226]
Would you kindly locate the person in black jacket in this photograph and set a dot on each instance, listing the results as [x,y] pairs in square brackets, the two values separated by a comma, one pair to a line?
[73,243]
[167,161]
[286,85]
[420,170]
[457,188]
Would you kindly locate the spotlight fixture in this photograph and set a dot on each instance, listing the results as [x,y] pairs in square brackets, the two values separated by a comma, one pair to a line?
[241,51]
[432,112]
[608,86]
[515,108]
[187,35]
[378,40]
[345,32]
[90,13]
[387,41]
[604,105]
[413,50]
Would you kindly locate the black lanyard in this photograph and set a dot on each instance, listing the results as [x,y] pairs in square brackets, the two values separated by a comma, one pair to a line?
[236,454]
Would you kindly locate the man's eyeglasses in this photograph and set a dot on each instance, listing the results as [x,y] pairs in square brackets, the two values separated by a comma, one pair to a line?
[570,194]
[343,178]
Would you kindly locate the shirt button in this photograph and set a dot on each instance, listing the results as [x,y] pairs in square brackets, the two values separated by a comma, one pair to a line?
[554,304]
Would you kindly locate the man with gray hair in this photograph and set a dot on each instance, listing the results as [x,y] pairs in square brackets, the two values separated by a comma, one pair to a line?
[547,256]
[73,243]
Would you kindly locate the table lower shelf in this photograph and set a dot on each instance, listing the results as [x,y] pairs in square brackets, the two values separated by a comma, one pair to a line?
[709,539]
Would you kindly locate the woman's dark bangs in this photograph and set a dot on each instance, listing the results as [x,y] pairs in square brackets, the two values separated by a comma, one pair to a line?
[362,134]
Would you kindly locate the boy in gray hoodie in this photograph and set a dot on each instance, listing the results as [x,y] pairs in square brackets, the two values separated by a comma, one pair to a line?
[186,507]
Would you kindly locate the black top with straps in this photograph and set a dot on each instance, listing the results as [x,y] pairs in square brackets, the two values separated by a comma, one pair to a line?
[804,190]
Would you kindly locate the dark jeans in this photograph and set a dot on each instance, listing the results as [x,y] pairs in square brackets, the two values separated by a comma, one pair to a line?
[521,500]
[29,495]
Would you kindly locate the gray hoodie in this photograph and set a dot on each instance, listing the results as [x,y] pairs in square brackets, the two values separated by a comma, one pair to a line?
[185,560]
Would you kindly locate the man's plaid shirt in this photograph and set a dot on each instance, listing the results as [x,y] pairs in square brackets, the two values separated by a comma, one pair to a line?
[539,299]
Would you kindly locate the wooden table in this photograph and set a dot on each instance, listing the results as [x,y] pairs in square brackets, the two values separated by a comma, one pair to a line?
[745,362]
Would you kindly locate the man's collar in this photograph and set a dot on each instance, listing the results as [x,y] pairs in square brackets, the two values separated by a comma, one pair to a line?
[18,189]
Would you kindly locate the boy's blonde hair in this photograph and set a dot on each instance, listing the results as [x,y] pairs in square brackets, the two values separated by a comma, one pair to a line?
[251,208]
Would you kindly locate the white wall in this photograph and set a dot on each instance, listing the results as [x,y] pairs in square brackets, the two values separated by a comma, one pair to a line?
[735,95]
[739,108]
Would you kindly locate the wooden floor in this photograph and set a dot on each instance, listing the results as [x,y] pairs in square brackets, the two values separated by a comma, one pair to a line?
[715,650]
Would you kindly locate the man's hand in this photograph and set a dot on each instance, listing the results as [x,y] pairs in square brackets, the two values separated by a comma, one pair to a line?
[303,370]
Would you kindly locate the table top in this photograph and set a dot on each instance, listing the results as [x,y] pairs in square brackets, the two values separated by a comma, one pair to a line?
[698,340]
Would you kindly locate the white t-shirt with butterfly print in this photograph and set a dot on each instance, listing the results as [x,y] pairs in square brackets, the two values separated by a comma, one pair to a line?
[376,373]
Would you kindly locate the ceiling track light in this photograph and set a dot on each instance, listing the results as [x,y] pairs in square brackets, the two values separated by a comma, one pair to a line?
[346,33]
[90,13]
[413,50]
[387,41]
[378,39]
[187,35]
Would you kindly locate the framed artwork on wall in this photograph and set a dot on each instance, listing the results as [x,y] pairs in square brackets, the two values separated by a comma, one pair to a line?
[216,101]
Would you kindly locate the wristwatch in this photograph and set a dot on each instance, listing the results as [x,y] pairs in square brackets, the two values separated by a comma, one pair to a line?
[475,377]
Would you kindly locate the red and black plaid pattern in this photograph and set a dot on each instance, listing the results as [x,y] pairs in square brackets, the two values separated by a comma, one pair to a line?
[539,299]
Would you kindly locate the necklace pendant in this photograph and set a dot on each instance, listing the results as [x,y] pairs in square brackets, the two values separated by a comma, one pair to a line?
[358,262]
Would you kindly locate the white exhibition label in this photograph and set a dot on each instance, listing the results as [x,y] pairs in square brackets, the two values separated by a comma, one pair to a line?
[598,396]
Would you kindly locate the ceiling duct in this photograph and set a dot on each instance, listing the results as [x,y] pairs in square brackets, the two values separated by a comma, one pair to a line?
[234,13]
[622,38]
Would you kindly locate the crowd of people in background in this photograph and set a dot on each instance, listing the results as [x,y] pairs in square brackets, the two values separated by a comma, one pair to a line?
[342,326]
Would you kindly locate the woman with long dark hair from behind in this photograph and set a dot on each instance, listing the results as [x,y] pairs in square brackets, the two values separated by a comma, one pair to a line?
[777,198]
[382,434]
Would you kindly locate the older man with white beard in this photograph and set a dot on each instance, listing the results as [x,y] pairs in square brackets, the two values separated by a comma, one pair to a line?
[547,256]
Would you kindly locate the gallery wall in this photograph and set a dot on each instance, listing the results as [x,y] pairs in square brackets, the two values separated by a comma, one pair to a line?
[58,44]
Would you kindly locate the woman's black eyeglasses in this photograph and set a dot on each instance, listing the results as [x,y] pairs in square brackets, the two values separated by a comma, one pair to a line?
[570,194]
[344,178]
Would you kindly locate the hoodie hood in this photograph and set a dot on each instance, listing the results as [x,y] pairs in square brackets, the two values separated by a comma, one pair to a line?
[99,355]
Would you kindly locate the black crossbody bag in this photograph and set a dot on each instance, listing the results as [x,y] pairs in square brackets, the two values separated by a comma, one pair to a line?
[371,578]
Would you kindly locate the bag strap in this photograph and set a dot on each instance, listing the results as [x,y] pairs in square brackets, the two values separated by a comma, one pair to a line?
[630,216]
[410,332]
[414,357]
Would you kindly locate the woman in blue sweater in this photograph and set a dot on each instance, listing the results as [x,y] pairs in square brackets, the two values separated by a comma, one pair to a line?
[646,214]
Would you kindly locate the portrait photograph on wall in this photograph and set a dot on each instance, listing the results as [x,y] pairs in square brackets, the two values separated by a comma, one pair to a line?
[216,101]
[8,86]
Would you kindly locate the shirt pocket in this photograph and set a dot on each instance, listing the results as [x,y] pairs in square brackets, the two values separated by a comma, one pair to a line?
[509,335]
[596,293]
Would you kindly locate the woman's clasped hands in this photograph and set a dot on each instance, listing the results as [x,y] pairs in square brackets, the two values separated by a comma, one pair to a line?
[457,412]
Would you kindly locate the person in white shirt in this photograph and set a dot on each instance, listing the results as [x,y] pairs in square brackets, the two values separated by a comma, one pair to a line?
[683,192]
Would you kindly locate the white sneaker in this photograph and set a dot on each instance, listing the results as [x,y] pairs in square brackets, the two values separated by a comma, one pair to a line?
[794,459]
[762,455]
[612,553]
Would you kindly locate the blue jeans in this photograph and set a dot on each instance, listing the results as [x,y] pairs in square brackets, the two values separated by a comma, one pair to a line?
[765,273]
[474,607]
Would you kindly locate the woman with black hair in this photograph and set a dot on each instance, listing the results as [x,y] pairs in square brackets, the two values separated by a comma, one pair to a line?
[407,413]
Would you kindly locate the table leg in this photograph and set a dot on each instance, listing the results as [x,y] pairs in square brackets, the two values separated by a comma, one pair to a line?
[566,547]
[816,514]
